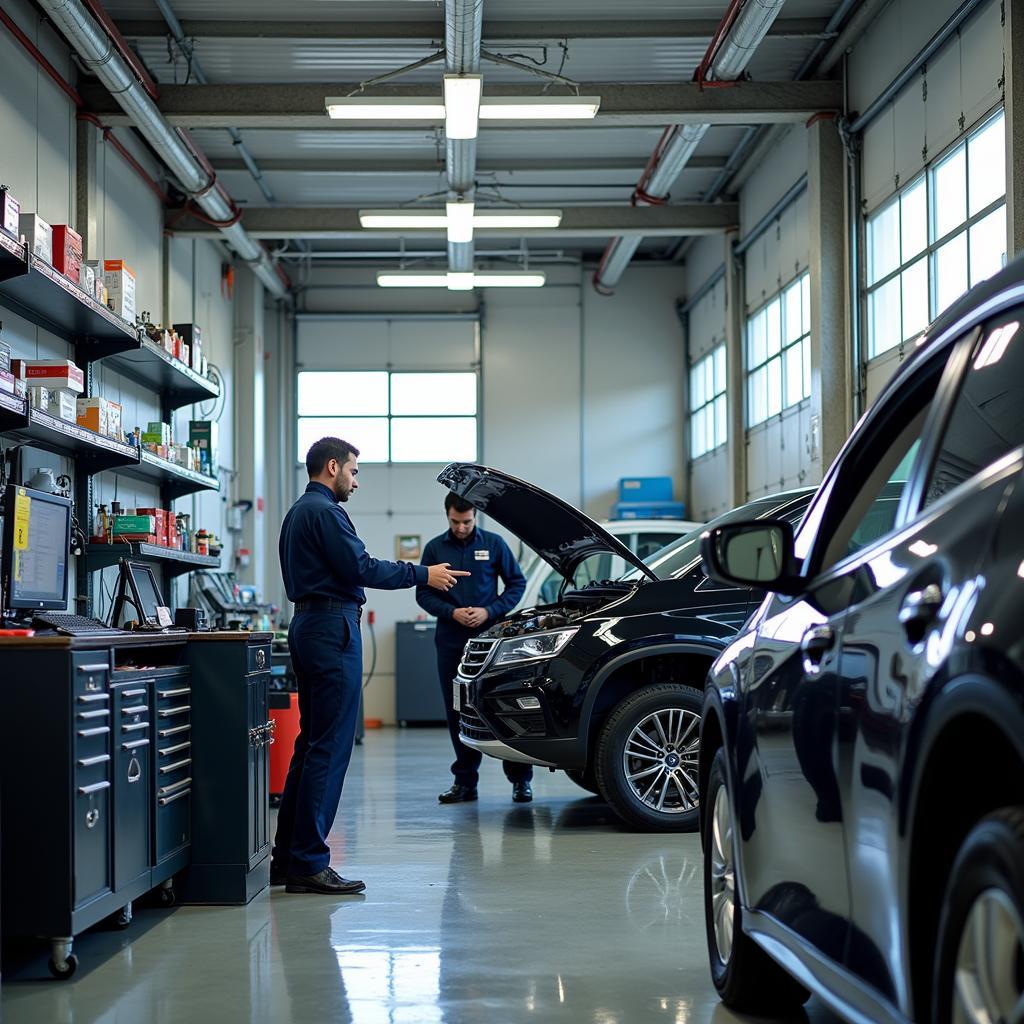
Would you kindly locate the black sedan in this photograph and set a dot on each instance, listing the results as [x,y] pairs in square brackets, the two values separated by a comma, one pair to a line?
[862,745]
[606,682]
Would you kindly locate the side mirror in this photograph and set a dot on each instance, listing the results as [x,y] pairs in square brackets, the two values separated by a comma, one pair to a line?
[752,554]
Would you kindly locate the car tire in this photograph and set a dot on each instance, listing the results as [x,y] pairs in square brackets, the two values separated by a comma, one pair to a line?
[585,779]
[746,978]
[980,947]
[634,717]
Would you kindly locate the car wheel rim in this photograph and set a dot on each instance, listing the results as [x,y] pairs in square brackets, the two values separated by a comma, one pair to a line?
[723,875]
[660,761]
[989,979]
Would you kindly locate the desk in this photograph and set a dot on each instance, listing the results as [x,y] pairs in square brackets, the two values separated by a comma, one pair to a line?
[103,765]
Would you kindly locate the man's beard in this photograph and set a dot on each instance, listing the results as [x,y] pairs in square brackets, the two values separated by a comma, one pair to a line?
[340,493]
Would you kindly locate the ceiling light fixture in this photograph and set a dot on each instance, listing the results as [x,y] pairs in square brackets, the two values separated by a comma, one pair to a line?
[460,281]
[539,108]
[460,220]
[462,105]
[378,108]
[411,279]
[509,278]
[457,281]
[391,220]
[518,218]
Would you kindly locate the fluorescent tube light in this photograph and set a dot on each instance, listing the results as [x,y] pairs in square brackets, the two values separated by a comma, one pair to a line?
[460,281]
[398,219]
[460,221]
[517,218]
[411,279]
[378,108]
[509,278]
[462,105]
[539,108]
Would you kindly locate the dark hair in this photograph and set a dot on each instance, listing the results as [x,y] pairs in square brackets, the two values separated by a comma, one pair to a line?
[453,501]
[321,452]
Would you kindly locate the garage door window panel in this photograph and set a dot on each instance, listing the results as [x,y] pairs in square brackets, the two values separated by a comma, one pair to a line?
[707,402]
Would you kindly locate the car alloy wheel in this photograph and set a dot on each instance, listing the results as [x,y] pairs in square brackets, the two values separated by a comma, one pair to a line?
[989,979]
[723,875]
[660,760]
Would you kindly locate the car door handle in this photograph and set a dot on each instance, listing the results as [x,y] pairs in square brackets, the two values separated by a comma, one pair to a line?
[814,645]
[921,606]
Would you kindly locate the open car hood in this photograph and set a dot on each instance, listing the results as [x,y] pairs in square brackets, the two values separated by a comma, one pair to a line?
[562,535]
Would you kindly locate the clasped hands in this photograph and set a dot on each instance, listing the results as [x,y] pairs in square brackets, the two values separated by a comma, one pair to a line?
[472,618]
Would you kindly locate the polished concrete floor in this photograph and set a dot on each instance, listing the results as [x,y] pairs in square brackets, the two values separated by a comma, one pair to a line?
[486,913]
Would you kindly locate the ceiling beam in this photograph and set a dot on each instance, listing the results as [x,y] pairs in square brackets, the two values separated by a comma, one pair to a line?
[577,222]
[622,105]
[433,31]
[379,168]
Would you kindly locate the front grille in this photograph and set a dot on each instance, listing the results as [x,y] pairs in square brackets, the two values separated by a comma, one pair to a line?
[472,726]
[474,657]
[531,724]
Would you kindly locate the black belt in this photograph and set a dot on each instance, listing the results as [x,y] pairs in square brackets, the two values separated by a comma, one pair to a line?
[327,604]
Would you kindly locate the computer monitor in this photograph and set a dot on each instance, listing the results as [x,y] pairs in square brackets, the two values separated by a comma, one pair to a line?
[147,592]
[36,546]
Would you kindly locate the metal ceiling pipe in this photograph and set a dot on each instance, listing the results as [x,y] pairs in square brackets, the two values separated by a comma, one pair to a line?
[463,33]
[97,53]
[749,28]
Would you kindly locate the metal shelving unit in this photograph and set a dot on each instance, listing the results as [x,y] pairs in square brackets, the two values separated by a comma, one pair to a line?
[174,480]
[94,451]
[173,562]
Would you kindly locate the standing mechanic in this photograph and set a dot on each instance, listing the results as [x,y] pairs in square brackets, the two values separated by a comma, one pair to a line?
[325,568]
[461,618]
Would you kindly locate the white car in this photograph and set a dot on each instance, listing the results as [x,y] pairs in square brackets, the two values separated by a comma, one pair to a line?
[643,536]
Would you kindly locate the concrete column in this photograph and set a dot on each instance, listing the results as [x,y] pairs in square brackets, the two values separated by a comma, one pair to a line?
[1014,108]
[87,143]
[735,374]
[250,426]
[831,396]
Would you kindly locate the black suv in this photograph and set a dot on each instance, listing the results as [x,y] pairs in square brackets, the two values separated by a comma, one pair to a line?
[862,744]
[607,681]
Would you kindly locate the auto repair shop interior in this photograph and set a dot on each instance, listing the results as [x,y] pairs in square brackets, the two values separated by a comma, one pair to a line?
[686,328]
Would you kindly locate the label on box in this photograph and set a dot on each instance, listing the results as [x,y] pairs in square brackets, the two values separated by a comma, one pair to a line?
[10,212]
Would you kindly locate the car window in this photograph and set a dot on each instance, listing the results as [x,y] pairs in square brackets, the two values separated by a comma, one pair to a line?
[648,543]
[987,420]
[601,566]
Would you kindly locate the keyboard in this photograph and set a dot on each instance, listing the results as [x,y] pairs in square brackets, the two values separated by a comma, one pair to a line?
[73,625]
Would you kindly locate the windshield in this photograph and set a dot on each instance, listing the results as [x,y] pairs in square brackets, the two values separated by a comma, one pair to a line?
[679,558]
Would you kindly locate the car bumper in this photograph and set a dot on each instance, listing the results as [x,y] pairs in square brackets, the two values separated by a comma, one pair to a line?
[495,748]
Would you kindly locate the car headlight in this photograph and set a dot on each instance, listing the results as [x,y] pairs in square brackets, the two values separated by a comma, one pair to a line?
[533,646]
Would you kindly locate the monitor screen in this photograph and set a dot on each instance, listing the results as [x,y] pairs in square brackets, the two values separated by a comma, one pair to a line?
[147,590]
[37,539]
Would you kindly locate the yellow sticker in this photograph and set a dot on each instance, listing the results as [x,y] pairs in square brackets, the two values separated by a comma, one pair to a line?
[22,515]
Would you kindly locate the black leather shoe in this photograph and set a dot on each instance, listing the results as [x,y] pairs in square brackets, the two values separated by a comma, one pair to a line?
[522,792]
[327,883]
[278,876]
[458,794]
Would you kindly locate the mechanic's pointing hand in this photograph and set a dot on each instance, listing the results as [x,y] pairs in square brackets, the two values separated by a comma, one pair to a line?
[441,577]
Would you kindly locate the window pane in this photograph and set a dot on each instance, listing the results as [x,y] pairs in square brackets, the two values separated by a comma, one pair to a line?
[433,394]
[720,370]
[757,399]
[697,434]
[756,352]
[442,439]
[914,220]
[774,369]
[793,299]
[988,246]
[344,394]
[805,293]
[709,378]
[721,430]
[950,272]
[805,347]
[696,387]
[915,299]
[794,377]
[884,317]
[369,435]
[987,161]
[949,193]
[883,242]
[773,326]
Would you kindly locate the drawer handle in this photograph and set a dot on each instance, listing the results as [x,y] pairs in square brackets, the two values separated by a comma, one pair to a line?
[164,733]
[167,751]
[172,787]
[174,767]
[96,787]
[133,693]
[135,728]
[101,730]
[184,709]
[174,693]
[137,710]
[100,713]
[135,744]
[88,762]
[165,800]
[91,698]
[101,666]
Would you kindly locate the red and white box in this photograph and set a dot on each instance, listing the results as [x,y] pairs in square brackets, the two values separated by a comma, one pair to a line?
[120,283]
[54,373]
[10,211]
[160,520]
[67,251]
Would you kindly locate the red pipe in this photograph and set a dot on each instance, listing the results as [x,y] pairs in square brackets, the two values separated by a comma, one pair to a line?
[122,47]
[728,19]
[40,59]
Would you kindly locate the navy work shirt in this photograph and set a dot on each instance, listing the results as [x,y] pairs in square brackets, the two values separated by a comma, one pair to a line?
[322,557]
[489,559]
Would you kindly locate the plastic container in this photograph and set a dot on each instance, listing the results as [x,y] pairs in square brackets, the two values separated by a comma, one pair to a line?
[284,711]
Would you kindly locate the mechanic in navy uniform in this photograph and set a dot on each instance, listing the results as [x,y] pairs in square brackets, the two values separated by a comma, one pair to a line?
[464,614]
[325,568]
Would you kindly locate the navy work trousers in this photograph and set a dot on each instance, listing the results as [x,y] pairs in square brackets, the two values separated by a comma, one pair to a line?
[326,649]
[466,767]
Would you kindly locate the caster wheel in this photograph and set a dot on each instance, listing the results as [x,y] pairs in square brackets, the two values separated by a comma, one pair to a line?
[275,800]
[168,897]
[64,970]
[123,918]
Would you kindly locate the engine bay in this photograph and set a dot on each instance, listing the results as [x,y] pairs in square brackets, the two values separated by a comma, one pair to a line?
[573,606]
